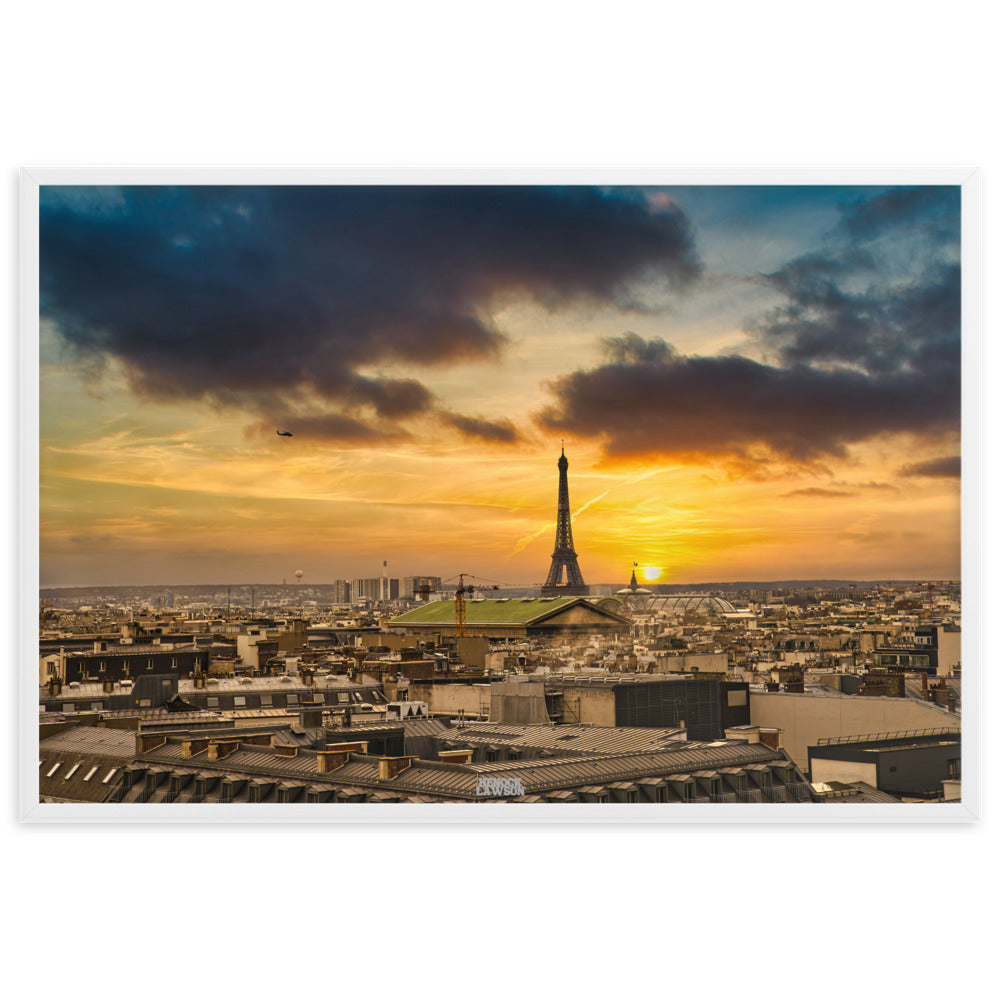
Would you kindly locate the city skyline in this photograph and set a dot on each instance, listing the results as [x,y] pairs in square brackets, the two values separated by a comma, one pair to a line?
[751,383]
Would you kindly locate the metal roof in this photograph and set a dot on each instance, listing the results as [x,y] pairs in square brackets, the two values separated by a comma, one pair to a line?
[461,781]
[569,740]
[91,740]
[513,611]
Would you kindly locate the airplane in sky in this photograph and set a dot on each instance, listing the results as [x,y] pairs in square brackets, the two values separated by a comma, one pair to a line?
[285,434]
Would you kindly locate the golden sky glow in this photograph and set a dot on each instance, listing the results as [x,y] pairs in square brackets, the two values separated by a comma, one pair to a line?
[143,487]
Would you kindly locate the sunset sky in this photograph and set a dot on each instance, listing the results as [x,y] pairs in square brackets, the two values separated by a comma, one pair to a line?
[752,383]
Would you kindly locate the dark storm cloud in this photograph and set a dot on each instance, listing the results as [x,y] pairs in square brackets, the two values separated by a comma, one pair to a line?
[500,431]
[865,340]
[227,293]
[950,467]
[933,208]
[727,406]
[394,398]
[877,329]
[883,294]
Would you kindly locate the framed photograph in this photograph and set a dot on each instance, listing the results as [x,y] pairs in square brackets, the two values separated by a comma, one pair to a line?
[629,495]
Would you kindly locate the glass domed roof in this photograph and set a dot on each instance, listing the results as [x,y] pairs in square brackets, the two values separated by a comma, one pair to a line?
[679,604]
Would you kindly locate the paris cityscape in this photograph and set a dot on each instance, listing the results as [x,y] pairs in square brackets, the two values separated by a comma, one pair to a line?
[500,495]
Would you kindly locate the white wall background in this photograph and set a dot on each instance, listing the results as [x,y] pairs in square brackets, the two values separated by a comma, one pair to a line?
[461,84]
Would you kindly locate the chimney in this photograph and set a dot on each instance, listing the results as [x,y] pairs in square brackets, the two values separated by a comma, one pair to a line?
[311,717]
[357,747]
[771,738]
[923,686]
[222,749]
[257,739]
[145,742]
[331,760]
[389,767]
[108,685]
[284,750]
[455,756]
[191,748]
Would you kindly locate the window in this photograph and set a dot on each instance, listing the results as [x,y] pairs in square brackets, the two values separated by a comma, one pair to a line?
[96,706]
[293,699]
[212,701]
[52,770]
[69,707]
[266,700]
[342,697]
[145,702]
[69,774]
[109,775]
[239,701]
[90,773]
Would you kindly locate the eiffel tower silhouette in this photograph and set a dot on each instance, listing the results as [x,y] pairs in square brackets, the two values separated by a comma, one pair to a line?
[564,557]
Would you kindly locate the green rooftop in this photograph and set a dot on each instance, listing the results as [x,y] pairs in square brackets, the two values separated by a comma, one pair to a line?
[502,611]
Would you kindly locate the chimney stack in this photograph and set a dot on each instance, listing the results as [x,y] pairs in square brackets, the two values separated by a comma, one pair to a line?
[389,767]
[331,760]
[145,742]
[221,749]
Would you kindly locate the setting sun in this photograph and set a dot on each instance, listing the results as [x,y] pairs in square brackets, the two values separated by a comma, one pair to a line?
[651,572]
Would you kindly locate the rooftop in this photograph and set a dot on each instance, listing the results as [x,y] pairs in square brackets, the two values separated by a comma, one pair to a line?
[494,611]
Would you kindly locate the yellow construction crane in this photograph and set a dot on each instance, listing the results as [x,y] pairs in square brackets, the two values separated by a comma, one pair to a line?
[460,593]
